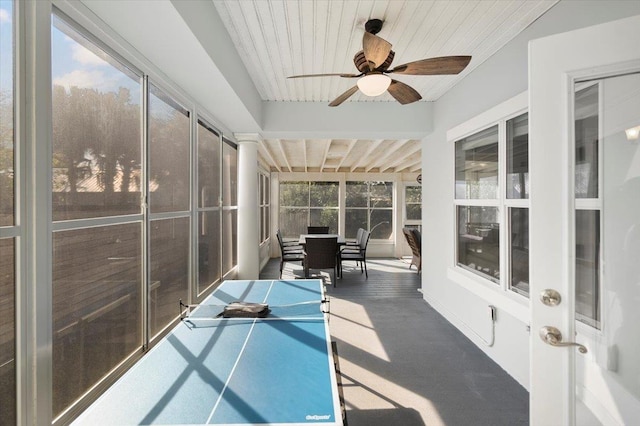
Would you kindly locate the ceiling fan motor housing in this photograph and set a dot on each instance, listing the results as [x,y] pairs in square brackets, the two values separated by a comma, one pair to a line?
[363,66]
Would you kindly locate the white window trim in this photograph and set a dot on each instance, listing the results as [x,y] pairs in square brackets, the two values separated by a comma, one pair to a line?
[406,221]
[498,293]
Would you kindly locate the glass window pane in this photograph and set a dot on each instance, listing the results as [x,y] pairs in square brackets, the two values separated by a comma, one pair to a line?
[209,262]
[6,114]
[324,217]
[519,256]
[518,157]
[96,130]
[169,264]
[479,240]
[380,194]
[477,165]
[96,306]
[323,194]
[413,203]
[7,331]
[354,219]
[169,134]
[414,212]
[293,221]
[208,167]
[413,194]
[381,224]
[357,194]
[586,134]
[588,267]
[294,194]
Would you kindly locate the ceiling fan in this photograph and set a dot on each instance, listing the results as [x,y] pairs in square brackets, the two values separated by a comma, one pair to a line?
[373,62]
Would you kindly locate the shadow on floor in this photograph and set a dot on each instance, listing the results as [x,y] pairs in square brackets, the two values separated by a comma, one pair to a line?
[385,417]
[402,363]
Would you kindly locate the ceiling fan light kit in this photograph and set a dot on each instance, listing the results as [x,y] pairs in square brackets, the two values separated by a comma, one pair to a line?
[374,60]
[374,84]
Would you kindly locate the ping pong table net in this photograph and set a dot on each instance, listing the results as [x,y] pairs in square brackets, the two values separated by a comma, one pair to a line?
[252,310]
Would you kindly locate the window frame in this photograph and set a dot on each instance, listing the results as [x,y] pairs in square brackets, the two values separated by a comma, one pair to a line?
[585,325]
[481,284]
[34,166]
[405,219]
[308,207]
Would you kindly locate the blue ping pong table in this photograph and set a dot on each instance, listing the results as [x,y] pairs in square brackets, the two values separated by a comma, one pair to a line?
[234,371]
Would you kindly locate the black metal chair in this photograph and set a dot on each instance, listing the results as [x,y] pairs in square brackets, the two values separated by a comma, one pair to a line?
[321,253]
[317,229]
[290,253]
[357,253]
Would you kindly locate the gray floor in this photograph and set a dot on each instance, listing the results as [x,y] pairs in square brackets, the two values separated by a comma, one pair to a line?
[404,364]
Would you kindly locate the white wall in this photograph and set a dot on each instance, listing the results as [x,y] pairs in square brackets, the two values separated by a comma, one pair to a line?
[501,77]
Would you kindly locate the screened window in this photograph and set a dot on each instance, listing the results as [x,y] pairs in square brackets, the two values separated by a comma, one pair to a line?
[96,305]
[305,204]
[6,114]
[230,206]
[265,203]
[7,221]
[96,129]
[97,263]
[7,332]
[209,244]
[492,216]
[169,174]
[169,135]
[369,205]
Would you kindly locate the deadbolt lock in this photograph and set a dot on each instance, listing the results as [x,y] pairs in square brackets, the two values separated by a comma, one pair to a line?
[550,297]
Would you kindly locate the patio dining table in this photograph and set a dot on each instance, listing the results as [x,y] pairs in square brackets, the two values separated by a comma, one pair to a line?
[303,238]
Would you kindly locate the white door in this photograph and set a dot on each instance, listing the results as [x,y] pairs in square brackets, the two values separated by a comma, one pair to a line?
[584,98]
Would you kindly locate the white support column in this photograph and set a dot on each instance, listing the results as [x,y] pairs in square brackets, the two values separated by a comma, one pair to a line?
[248,208]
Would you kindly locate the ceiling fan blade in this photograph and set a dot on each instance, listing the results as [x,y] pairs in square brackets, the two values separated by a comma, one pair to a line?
[340,99]
[326,75]
[376,49]
[403,93]
[434,66]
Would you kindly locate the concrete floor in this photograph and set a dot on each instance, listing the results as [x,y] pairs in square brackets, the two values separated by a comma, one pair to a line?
[402,363]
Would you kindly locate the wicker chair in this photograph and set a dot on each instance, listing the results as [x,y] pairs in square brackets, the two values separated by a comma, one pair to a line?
[414,239]
[287,244]
[357,253]
[321,253]
[317,229]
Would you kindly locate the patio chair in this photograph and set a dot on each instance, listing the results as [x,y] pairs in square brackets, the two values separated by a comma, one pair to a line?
[414,239]
[355,242]
[287,244]
[317,229]
[321,253]
[357,253]
[290,253]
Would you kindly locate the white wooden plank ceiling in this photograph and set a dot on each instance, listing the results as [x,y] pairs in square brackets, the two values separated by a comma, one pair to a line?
[279,38]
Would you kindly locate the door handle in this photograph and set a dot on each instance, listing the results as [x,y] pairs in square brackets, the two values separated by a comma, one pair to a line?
[553,337]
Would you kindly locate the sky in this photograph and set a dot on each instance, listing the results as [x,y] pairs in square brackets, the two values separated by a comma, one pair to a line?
[6,42]
[72,64]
